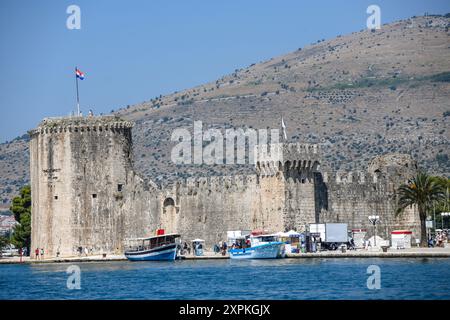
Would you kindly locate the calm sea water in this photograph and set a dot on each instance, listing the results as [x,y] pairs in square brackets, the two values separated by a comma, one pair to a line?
[230,279]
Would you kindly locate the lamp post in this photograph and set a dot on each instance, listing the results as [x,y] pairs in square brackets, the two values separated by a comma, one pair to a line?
[434,216]
[374,220]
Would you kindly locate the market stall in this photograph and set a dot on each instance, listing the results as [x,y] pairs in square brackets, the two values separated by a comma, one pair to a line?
[401,239]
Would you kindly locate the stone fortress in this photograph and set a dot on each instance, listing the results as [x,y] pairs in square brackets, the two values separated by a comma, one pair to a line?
[86,193]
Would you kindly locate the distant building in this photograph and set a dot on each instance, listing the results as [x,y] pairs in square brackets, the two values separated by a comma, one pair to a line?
[7,223]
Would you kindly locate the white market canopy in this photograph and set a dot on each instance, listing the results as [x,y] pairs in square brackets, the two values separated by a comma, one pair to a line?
[280,234]
[289,234]
[292,233]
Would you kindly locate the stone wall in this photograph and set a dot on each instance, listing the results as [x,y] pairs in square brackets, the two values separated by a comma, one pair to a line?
[354,196]
[207,207]
[51,189]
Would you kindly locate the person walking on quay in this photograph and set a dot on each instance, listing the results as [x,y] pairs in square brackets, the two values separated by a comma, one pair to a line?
[195,249]
[216,249]
[36,252]
[224,248]
[86,251]
[42,253]
[430,242]
[352,244]
[313,244]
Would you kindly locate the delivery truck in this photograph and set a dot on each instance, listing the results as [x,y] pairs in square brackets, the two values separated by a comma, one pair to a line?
[330,235]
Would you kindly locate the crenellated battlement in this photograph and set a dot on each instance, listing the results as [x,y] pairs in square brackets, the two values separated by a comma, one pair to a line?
[194,185]
[352,177]
[274,158]
[80,124]
[389,170]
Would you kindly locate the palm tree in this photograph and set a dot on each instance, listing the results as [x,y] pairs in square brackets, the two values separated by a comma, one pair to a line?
[444,205]
[422,190]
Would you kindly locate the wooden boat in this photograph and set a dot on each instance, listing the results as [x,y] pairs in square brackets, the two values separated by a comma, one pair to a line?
[160,247]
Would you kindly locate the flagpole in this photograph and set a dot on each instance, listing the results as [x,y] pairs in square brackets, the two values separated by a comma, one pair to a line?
[283,128]
[78,97]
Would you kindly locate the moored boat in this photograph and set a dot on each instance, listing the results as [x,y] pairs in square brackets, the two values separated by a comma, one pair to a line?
[160,247]
[257,247]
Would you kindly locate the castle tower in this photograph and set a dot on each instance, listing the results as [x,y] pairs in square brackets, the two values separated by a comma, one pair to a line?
[80,167]
[287,175]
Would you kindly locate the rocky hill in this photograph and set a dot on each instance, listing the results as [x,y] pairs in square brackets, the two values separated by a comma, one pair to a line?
[358,95]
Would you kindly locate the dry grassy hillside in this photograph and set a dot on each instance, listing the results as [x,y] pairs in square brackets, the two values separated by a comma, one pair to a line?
[359,95]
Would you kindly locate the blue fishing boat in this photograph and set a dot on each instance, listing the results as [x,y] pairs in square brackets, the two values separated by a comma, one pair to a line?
[257,247]
[157,248]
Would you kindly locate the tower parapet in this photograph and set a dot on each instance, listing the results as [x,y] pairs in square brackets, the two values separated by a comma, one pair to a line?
[80,124]
[274,158]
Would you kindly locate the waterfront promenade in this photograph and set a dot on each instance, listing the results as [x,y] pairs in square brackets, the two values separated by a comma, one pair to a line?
[374,253]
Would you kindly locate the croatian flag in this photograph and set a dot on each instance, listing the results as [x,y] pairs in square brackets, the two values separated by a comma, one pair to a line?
[80,74]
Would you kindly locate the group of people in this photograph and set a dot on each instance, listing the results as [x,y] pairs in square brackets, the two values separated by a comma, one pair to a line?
[186,249]
[197,248]
[84,251]
[221,248]
[39,253]
[439,240]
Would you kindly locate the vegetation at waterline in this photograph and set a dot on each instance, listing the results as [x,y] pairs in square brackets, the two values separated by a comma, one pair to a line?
[423,191]
[4,242]
[21,208]
[443,206]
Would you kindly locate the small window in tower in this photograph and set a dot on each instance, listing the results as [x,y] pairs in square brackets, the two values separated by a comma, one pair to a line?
[56,197]
[94,196]
[120,187]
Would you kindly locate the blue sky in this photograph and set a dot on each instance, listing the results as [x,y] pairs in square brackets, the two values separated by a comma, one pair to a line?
[134,50]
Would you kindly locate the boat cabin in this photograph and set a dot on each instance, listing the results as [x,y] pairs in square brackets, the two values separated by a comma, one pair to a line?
[241,242]
[261,239]
[251,241]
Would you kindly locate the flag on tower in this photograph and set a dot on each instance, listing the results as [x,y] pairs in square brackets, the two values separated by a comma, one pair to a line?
[79,73]
[283,127]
